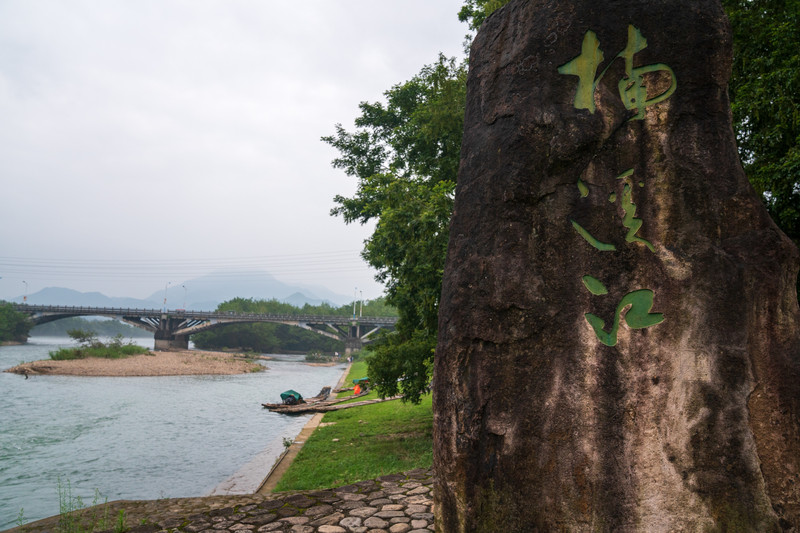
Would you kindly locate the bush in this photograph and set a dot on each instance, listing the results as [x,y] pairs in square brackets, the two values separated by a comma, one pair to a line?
[114,350]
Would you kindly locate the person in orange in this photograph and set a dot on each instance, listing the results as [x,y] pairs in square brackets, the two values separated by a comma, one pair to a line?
[357,389]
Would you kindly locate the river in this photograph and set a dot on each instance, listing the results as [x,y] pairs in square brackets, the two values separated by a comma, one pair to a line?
[139,438]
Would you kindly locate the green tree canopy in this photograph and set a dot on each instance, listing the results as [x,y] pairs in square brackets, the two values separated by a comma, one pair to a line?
[765,100]
[14,326]
[474,12]
[405,155]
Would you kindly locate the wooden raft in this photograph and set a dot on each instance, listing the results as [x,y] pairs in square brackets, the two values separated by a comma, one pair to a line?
[323,406]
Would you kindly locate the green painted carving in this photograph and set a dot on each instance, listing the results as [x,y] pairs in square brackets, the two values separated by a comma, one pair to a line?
[583,188]
[594,285]
[584,66]
[629,221]
[612,197]
[603,247]
[637,317]
[632,89]
[627,174]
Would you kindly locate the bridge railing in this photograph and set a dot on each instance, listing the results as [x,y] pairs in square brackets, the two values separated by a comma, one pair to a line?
[181,313]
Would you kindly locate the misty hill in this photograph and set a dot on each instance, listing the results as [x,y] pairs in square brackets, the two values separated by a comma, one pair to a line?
[204,293]
[62,296]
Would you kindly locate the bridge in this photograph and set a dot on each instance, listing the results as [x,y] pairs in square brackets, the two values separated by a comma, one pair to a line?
[172,328]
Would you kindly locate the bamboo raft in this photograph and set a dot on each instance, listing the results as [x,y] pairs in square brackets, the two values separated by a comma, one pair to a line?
[322,404]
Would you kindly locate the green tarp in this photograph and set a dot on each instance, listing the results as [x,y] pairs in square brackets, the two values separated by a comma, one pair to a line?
[291,397]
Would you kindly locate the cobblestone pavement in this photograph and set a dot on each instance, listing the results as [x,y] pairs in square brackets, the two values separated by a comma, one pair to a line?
[397,503]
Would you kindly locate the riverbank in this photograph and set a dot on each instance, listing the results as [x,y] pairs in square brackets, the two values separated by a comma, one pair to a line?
[176,363]
[11,343]
[395,503]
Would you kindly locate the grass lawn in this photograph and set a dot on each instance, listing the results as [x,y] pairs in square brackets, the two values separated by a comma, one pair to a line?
[363,443]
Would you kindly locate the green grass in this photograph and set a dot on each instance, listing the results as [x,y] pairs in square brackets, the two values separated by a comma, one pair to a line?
[103,351]
[363,443]
[357,370]
[74,517]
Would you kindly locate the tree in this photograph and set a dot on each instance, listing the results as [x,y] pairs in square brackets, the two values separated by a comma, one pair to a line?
[765,101]
[14,326]
[474,12]
[405,156]
[85,337]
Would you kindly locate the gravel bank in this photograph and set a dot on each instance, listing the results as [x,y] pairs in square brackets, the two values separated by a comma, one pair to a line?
[179,363]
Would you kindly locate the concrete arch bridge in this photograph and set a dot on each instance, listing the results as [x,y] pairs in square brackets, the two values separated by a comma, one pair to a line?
[172,328]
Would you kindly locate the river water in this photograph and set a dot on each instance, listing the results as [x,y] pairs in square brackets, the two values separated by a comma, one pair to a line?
[139,438]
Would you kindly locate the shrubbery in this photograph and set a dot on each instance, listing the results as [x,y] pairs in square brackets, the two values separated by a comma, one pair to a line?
[91,346]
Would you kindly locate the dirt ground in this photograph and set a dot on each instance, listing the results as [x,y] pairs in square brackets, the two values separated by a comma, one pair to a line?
[179,363]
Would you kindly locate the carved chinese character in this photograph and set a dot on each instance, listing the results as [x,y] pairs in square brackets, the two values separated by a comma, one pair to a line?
[632,87]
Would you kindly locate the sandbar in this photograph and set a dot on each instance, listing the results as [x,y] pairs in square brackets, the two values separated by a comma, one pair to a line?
[177,363]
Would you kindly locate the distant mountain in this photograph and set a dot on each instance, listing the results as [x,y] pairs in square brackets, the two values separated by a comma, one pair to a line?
[62,296]
[206,292]
[199,294]
[299,300]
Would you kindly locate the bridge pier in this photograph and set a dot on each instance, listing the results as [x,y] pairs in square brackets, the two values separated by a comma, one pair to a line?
[353,342]
[164,342]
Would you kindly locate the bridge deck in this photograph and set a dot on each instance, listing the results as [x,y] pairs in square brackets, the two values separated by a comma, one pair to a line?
[202,315]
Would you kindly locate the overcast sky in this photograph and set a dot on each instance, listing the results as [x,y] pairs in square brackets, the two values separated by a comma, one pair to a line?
[151,141]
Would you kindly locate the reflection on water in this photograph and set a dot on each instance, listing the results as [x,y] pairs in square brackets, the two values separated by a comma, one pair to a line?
[135,438]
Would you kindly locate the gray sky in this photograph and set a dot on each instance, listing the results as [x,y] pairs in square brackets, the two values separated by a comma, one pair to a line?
[157,140]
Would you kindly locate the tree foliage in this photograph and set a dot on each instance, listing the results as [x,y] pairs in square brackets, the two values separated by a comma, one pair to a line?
[474,12]
[14,326]
[765,101]
[85,337]
[405,155]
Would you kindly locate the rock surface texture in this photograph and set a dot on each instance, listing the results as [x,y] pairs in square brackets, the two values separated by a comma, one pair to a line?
[619,340]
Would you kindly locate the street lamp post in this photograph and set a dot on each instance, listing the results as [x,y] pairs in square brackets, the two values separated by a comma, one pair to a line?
[165,295]
[25,296]
[361,303]
[355,297]
[184,297]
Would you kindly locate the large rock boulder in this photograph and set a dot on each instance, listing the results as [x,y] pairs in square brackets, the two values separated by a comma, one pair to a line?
[618,336]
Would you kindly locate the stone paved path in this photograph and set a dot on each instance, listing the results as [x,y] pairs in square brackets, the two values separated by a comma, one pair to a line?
[397,503]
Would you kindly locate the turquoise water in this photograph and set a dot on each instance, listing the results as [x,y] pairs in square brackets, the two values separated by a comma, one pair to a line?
[135,438]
